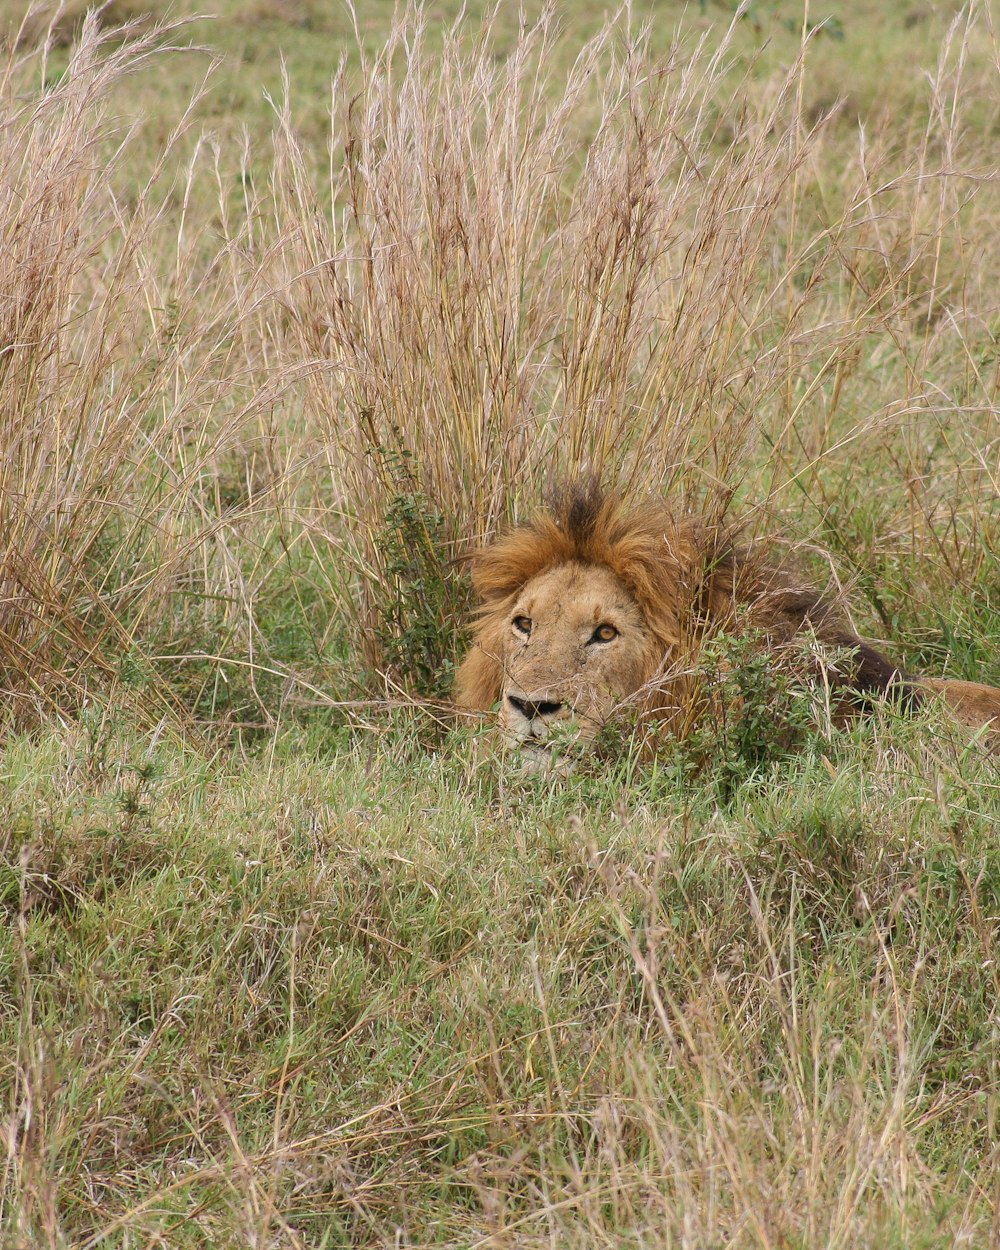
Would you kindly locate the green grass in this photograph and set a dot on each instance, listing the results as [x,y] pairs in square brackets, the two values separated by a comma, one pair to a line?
[289,959]
[325,997]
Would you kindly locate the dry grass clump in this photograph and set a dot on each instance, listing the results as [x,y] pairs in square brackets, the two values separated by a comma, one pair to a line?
[654,269]
[124,385]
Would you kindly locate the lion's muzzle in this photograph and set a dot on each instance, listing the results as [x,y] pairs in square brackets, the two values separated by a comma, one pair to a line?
[529,717]
[541,728]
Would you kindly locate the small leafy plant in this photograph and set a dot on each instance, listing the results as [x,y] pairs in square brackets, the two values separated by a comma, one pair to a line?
[416,634]
[757,712]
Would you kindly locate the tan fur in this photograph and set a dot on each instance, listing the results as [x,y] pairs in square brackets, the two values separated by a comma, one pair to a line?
[970,702]
[664,584]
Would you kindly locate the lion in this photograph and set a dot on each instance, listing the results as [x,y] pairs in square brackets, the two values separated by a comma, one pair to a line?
[594,604]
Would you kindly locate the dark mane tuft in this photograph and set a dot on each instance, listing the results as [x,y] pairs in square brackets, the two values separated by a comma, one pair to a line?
[577,507]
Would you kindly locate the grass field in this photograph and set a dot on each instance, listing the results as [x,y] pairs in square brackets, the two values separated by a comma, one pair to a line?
[295,308]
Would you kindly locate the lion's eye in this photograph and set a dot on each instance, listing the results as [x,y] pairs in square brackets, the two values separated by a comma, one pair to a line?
[523,625]
[604,633]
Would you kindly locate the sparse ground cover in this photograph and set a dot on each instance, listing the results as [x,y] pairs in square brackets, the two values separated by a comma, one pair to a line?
[288,959]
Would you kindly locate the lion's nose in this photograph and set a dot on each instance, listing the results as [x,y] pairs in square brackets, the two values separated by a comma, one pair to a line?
[530,708]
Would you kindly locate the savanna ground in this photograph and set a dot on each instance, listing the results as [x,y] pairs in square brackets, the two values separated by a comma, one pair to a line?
[287,959]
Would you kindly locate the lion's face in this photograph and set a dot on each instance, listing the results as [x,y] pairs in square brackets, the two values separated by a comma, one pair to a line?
[574,644]
[583,607]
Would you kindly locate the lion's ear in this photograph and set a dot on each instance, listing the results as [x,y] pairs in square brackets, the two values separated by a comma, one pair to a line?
[501,569]
[496,573]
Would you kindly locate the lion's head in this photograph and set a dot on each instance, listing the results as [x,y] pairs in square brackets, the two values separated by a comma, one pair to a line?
[588,604]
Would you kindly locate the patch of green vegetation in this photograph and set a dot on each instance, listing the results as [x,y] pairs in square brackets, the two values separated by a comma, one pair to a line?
[375,966]
[416,632]
[758,714]
[241,674]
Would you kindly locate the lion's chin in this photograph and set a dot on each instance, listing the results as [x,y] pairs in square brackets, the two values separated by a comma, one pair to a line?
[538,759]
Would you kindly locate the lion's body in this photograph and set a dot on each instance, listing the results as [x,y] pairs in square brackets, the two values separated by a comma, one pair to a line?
[592,604]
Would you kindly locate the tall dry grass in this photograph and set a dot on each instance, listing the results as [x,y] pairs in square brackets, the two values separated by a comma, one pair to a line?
[125,383]
[660,270]
[260,362]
